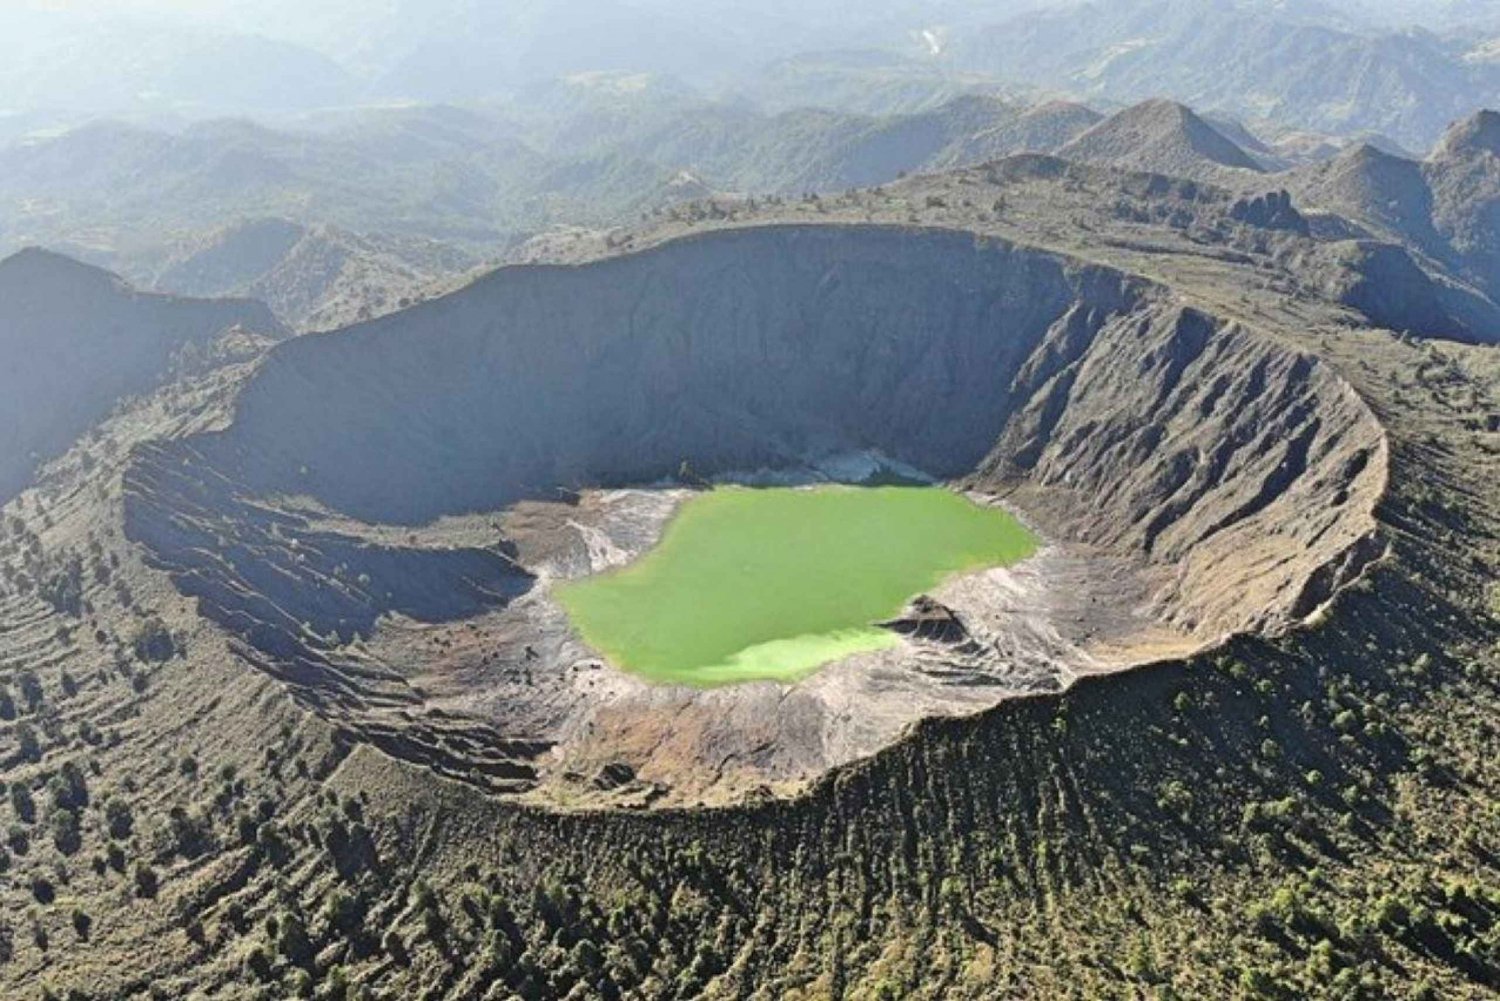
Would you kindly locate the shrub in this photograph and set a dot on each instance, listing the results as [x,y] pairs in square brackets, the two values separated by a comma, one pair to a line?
[292,941]
[1174,797]
[191,834]
[118,817]
[67,833]
[29,746]
[336,984]
[21,803]
[153,641]
[395,946]
[63,588]
[345,912]
[146,883]
[31,690]
[69,788]
[258,962]
[1257,982]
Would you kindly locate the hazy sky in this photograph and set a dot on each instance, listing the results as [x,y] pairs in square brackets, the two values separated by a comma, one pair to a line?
[297,18]
[208,8]
[214,56]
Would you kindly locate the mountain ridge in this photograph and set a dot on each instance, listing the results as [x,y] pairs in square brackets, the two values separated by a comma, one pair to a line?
[79,339]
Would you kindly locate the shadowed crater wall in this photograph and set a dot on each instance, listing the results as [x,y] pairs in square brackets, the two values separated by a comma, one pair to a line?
[732,351]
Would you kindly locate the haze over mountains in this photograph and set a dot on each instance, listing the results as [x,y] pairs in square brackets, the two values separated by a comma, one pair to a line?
[1401,69]
[479,125]
[339,158]
[1302,65]
[440,188]
[352,212]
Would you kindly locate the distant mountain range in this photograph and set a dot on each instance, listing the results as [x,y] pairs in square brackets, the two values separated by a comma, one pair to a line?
[1305,65]
[349,212]
[171,208]
[95,61]
[1402,69]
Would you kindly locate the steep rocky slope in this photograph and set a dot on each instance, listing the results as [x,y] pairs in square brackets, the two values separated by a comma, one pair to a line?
[76,341]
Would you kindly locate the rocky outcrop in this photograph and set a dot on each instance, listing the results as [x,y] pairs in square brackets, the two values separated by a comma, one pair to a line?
[1272,210]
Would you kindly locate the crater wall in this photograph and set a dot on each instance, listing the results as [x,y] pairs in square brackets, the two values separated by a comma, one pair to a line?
[1232,475]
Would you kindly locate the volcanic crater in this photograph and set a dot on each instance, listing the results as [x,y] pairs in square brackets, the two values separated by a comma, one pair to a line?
[383,522]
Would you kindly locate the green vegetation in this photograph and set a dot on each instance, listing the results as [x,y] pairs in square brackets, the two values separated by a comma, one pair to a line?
[769,584]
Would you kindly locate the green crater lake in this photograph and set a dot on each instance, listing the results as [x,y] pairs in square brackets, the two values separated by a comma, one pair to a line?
[754,585]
